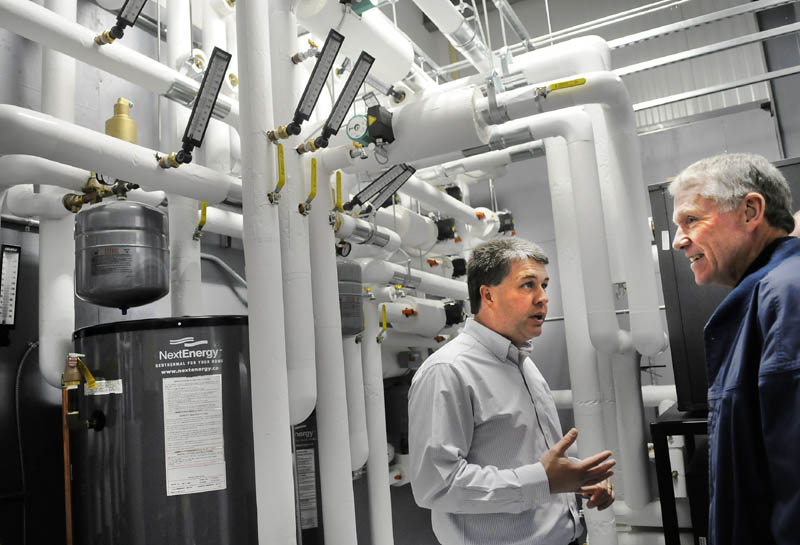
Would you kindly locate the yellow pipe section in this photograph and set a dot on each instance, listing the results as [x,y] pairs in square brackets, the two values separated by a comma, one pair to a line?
[313,181]
[338,205]
[275,195]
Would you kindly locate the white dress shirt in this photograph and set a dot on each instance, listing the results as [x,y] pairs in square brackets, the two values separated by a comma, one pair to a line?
[481,416]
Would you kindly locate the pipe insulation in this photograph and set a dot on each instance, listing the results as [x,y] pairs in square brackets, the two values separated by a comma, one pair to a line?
[380,500]
[275,497]
[376,271]
[416,231]
[446,173]
[393,52]
[356,411]
[185,280]
[581,354]
[415,315]
[335,462]
[29,132]
[295,260]
[652,396]
[41,25]
[363,232]
[608,90]
[216,149]
[459,32]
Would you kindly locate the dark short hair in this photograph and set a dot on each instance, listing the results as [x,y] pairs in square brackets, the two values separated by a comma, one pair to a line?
[727,178]
[491,261]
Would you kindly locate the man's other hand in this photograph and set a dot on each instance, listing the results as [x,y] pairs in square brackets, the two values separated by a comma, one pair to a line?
[565,475]
[601,495]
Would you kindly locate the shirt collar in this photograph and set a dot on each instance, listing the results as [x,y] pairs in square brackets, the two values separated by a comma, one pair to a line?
[500,346]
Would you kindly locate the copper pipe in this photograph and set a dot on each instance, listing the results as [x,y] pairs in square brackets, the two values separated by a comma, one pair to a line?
[67,463]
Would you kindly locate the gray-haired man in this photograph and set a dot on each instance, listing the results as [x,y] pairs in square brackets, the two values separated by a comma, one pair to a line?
[487,455]
[733,217]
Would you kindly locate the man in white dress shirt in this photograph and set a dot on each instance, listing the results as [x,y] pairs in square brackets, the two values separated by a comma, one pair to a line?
[487,455]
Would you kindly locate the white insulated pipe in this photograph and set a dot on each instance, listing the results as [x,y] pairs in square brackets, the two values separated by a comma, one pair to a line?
[447,172]
[458,32]
[363,232]
[633,430]
[275,498]
[28,132]
[372,31]
[409,340]
[380,500]
[652,396]
[333,403]
[295,260]
[608,90]
[376,271]
[416,316]
[223,222]
[56,254]
[439,200]
[415,231]
[356,410]
[28,169]
[41,25]
[581,354]
[608,406]
[185,279]
[216,149]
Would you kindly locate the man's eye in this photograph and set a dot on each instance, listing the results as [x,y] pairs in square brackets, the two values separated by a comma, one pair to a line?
[544,286]
[689,220]
[527,285]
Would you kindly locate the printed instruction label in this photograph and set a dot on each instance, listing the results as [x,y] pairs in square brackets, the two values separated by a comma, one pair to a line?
[103,388]
[306,488]
[194,443]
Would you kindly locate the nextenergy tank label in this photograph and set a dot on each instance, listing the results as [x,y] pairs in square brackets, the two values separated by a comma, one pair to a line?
[194,442]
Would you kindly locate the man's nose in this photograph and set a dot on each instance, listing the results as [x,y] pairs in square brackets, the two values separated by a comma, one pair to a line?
[680,239]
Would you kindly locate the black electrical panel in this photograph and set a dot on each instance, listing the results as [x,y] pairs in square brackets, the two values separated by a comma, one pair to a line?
[446,229]
[459,267]
[379,121]
[454,312]
[506,222]
[455,192]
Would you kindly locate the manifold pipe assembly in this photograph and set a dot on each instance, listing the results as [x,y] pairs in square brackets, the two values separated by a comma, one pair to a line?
[380,501]
[30,132]
[581,353]
[185,281]
[338,504]
[379,272]
[39,24]
[294,229]
[275,497]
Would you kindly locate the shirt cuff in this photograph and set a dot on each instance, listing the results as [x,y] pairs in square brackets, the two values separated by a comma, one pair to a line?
[535,485]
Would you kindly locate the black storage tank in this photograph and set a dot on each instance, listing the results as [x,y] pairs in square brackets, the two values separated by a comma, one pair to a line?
[172,461]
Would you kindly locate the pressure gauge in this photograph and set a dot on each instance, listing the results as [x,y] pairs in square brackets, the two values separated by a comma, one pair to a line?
[358,129]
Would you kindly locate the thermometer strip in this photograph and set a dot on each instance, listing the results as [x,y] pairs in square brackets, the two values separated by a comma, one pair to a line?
[319,74]
[207,97]
[348,95]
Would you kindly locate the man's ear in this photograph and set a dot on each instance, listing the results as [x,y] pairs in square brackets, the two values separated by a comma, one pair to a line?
[486,293]
[754,209]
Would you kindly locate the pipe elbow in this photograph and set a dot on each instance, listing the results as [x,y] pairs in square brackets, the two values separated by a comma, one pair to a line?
[575,125]
[606,336]
[649,336]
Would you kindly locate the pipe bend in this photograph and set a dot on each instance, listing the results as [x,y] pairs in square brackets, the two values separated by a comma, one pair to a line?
[649,336]
[22,201]
[605,334]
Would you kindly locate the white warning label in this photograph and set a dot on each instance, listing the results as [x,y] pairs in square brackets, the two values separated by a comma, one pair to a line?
[307,489]
[194,444]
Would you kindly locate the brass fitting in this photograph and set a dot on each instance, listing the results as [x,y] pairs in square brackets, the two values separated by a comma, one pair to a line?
[71,376]
[306,147]
[104,38]
[73,202]
[304,208]
[168,161]
[121,125]
[280,132]
[233,79]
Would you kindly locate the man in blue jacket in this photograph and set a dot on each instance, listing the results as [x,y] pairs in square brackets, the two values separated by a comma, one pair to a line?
[733,217]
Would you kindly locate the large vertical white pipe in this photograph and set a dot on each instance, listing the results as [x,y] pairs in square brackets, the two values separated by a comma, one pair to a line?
[630,420]
[56,245]
[270,393]
[216,144]
[356,412]
[295,260]
[338,505]
[582,362]
[380,500]
[184,279]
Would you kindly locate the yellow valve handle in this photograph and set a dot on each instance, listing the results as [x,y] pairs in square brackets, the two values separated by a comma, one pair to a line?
[313,180]
[383,313]
[338,205]
[203,208]
[281,169]
[566,84]
[90,381]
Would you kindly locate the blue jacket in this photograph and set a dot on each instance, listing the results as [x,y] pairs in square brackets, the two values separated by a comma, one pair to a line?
[753,352]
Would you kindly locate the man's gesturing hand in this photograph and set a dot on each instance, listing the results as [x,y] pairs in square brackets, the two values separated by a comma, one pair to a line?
[567,475]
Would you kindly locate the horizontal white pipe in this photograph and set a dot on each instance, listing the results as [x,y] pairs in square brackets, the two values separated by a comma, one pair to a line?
[396,338]
[439,200]
[224,222]
[372,31]
[652,396]
[416,316]
[29,169]
[29,132]
[41,25]
[447,172]
[374,271]
[416,231]
[22,201]
[359,231]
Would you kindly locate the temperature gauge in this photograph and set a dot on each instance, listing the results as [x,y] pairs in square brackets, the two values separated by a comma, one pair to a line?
[9,267]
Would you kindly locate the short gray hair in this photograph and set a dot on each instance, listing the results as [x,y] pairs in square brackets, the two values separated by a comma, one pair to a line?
[491,261]
[727,178]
